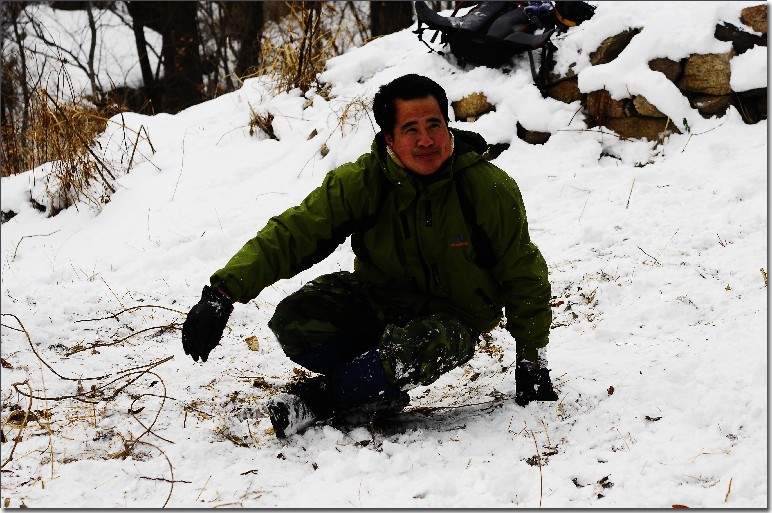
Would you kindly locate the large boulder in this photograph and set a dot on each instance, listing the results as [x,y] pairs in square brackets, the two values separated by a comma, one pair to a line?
[707,73]
[566,91]
[755,17]
[645,108]
[653,129]
[710,105]
[532,136]
[668,67]
[612,46]
[741,40]
[472,107]
[599,105]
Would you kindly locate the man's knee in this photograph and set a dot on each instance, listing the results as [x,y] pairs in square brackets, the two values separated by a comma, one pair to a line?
[425,349]
[329,317]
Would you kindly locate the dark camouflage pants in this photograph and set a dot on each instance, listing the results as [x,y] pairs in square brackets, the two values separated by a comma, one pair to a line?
[335,318]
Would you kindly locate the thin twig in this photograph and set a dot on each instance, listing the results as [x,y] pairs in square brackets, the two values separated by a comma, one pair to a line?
[23,423]
[582,212]
[705,132]
[648,255]
[549,444]
[86,396]
[147,138]
[115,315]
[171,469]
[149,429]
[182,163]
[122,374]
[48,425]
[164,479]
[163,327]
[29,236]
[204,487]
[134,149]
[538,458]
[113,293]
[668,243]
[32,346]
[630,195]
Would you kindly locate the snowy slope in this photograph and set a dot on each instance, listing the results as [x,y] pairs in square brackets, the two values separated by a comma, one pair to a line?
[658,348]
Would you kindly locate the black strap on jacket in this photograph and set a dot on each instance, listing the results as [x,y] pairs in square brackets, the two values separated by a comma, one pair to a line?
[481,242]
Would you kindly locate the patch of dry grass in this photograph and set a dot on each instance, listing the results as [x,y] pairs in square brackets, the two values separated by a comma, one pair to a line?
[61,133]
[297,48]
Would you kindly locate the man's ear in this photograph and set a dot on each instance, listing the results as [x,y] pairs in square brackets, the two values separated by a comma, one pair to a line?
[389,139]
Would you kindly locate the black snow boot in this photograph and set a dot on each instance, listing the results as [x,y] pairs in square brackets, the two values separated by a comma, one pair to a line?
[306,401]
[375,411]
[289,414]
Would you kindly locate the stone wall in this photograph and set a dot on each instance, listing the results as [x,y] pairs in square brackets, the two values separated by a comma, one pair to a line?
[703,79]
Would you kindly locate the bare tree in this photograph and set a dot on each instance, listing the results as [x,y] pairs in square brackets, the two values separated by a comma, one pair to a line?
[183,83]
[14,69]
[150,84]
[247,22]
[95,89]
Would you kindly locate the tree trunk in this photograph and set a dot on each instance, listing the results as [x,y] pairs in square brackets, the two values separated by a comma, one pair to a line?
[387,17]
[23,73]
[144,62]
[246,20]
[183,70]
[95,89]
[183,81]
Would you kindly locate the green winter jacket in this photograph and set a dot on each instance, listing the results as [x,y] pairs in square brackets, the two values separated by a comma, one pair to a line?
[425,245]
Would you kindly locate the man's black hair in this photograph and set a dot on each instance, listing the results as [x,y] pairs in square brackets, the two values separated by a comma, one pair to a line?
[406,87]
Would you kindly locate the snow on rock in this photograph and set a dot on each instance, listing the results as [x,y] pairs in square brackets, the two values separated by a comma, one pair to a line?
[745,70]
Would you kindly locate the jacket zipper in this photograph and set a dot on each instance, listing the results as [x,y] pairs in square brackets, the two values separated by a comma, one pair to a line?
[418,240]
[434,268]
[405,225]
[436,276]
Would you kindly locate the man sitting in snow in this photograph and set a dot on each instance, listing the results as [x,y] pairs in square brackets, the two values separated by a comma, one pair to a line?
[441,244]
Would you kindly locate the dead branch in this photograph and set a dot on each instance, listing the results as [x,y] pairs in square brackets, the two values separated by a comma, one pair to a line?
[538,458]
[171,469]
[23,424]
[29,236]
[163,327]
[115,315]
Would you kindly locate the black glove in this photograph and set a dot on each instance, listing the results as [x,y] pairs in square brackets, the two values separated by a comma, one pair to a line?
[533,383]
[205,323]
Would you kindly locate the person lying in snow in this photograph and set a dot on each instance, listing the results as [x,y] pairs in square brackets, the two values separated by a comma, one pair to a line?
[441,243]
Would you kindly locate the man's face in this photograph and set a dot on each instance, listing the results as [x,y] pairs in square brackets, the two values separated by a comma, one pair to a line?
[421,139]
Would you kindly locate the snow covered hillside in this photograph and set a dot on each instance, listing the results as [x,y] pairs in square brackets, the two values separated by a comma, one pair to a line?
[657,258]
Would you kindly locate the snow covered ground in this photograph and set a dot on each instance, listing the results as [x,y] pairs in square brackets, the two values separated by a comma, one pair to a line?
[657,257]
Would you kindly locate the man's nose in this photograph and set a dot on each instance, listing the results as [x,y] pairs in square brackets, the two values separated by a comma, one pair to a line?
[424,139]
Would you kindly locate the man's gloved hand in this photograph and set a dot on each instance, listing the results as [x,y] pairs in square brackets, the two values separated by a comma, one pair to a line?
[533,383]
[205,323]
